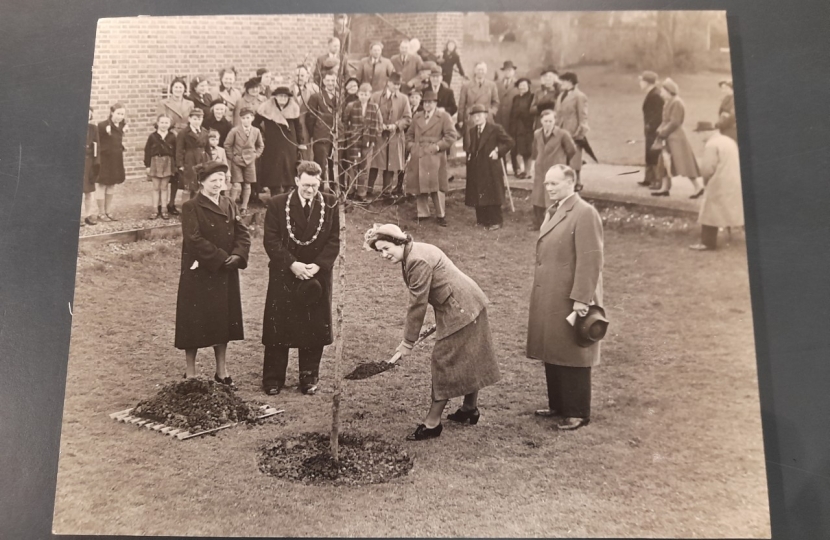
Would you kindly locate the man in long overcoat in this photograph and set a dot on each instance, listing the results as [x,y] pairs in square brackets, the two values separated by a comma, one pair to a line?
[478,91]
[302,240]
[428,138]
[320,124]
[723,204]
[407,63]
[652,118]
[375,69]
[551,146]
[485,143]
[567,278]
[507,91]
[396,115]
[572,115]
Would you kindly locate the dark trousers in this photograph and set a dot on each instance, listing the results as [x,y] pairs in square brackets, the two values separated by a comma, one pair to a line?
[489,215]
[709,236]
[322,156]
[538,216]
[276,362]
[569,390]
[388,176]
[174,190]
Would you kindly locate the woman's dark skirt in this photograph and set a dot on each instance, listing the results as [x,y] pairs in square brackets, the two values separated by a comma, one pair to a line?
[464,362]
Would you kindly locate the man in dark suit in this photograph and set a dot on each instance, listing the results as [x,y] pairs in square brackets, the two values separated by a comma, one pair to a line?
[320,121]
[324,61]
[302,239]
[652,118]
[485,143]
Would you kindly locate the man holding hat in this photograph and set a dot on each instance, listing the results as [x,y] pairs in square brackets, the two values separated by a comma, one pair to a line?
[652,118]
[429,137]
[395,116]
[720,168]
[302,239]
[567,280]
[485,143]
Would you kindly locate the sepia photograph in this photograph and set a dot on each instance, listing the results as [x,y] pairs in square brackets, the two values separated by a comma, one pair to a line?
[425,274]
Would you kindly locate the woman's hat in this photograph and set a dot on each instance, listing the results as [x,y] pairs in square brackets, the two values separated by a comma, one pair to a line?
[507,65]
[523,79]
[253,82]
[282,91]
[592,327]
[203,170]
[389,229]
[649,76]
[351,79]
[309,291]
[478,108]
[671,86]
[217,101]
[705,126]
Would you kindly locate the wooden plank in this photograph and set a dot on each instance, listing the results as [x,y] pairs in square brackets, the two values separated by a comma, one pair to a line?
[185,436]
[120,413]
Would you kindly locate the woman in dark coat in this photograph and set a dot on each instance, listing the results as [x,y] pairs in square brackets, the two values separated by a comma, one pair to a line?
[111,173]
[302,239]
[726,113]
[92,162]
[217,119]
[463,359]
[486,144]
[449,59]
[215,246]
[279,120]
[521,126]
[546,96]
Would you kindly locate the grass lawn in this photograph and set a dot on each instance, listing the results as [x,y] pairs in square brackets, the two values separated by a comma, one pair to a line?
[674,448]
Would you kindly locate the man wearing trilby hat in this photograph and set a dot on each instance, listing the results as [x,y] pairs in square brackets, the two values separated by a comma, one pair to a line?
[428,138]
[302,239]
[507,91]
[567,280]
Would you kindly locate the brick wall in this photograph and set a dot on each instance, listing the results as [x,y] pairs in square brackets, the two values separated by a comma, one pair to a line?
[135,56]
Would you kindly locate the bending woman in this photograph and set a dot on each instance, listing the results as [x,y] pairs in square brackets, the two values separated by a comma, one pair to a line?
[463,359]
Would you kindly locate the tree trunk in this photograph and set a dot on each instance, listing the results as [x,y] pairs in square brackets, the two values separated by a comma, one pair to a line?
[334,441]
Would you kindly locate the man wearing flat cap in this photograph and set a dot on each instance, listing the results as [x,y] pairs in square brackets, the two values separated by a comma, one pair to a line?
[652,118]
[302,240]
[395,115]
[428,138]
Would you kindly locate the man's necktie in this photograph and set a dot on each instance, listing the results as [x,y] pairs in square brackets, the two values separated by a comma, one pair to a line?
[307,209]
[552,209]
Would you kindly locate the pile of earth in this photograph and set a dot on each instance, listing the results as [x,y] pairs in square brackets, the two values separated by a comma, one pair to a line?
[196,405]
[306,458]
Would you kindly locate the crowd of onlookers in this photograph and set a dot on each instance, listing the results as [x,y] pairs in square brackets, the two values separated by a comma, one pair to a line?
[396,117]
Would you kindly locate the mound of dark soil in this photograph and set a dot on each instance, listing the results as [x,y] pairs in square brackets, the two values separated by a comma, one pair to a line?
[195,405]
[363,460]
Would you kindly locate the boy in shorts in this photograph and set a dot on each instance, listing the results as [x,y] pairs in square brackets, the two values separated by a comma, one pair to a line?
[243,146]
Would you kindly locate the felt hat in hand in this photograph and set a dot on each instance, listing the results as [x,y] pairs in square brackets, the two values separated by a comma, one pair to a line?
[592,327]
[309,291]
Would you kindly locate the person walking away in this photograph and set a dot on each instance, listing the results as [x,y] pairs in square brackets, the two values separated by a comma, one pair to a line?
[552,145]
[242,147]
[652,118]
[427,139]
[485,144]
[396,116]
[567,278]
[302,240]
[672,136]
[723,201]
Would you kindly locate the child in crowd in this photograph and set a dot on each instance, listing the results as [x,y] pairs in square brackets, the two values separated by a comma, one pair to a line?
[92,163]
[243,146]
[192,148]
[111,173]
[159,153]
[216,118]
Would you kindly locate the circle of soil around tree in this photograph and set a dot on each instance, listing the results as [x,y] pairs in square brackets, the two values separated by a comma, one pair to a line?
[196,405]
[306,458]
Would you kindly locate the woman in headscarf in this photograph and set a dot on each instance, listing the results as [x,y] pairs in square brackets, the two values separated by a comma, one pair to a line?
[215,245]
[463,359]
[279,120]
[726,113]
[672,136]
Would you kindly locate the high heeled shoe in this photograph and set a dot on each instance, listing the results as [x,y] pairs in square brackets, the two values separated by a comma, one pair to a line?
[227,381]
[462,416]
[422,432]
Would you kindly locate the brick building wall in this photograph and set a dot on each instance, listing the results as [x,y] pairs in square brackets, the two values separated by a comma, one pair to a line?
[135,58]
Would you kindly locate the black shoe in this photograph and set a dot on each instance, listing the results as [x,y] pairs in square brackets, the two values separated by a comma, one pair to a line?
[546,413]
[171,208]
[462,416]
[660,194]
[227,381]
[697,195]
[90,220]
[422,433]
[572,424]
[442,221]
[644,183]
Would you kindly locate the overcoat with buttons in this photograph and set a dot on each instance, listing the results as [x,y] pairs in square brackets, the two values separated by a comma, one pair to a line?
[427,143]
[557,149]
[485,175]
[209,304]
[569,259]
